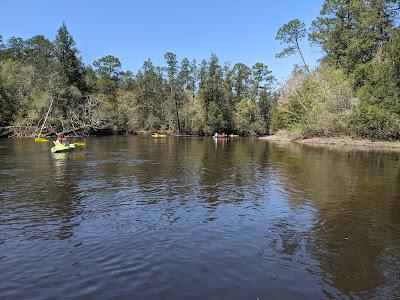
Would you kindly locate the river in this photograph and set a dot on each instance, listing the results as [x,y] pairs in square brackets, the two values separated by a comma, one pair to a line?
[191,218]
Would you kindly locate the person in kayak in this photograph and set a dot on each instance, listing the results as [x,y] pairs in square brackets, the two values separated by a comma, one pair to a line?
[61,140]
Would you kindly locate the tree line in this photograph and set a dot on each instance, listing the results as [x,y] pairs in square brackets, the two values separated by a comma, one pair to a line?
[356,88]
[181,97]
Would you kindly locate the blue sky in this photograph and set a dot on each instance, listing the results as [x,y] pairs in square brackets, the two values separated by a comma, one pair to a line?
[237,31]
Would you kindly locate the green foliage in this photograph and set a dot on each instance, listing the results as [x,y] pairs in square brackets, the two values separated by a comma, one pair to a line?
[39,53]
[211,81]
[69,65]
[290,35]
[376,123]
[352,32]
[195,116]
[356,90]
[108,70]
[149,97]
[16,85]
[215,118]
[279,119]
[382,77]
[378,116]
[15,48]
[175,96]
[247,118]
[240,76]
[318,104]
[181,97]
[188,75]
[2,48]
[108,66]
[262,80]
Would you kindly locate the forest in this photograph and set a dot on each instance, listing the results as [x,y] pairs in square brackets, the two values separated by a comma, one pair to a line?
[182,97]
[354,90]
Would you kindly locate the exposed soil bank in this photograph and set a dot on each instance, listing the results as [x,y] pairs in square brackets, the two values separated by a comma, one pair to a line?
[284,136]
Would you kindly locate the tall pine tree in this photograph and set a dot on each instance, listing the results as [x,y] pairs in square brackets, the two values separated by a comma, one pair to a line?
[69,65]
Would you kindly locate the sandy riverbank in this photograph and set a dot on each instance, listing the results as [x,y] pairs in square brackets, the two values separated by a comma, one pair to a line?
[287,137]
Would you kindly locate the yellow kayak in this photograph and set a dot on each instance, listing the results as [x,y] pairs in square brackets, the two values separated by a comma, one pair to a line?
[157,135]
[59,148]
[40,140]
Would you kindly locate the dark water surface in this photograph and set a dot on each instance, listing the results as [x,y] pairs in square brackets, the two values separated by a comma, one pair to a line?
[187,218]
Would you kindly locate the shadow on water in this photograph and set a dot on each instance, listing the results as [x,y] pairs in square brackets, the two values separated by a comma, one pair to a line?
[197,218]
[355,233]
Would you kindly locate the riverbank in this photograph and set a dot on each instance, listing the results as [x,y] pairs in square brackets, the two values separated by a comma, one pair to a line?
[287,137]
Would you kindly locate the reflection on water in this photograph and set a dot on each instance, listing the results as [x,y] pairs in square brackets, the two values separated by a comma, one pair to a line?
[196,218]
[356,196]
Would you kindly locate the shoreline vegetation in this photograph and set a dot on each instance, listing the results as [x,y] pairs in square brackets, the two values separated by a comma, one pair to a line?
[46,89]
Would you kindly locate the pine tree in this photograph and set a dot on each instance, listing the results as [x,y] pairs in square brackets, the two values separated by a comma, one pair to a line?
[39,52]
[352,32]
[174,97]
[290,34]
[108,70]
[240,76]
[69,65]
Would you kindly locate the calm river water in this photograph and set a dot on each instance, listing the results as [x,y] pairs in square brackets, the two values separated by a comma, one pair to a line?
[190,218]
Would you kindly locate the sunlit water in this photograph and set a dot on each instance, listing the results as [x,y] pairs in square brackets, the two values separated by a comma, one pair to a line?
[190,218]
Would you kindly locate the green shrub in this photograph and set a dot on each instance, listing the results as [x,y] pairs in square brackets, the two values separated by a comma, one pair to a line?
[279,119]
[247,118]
[376,123]
[319,104]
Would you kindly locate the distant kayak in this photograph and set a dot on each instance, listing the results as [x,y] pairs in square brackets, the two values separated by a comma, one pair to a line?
[156,135]
[59,148]
[40,140]
[220,137]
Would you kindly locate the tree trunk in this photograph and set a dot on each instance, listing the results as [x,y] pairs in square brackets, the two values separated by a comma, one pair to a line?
[177,114]
[45,119]
[302,58]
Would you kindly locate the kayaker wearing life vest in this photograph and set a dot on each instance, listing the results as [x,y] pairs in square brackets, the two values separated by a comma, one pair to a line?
[61,140]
